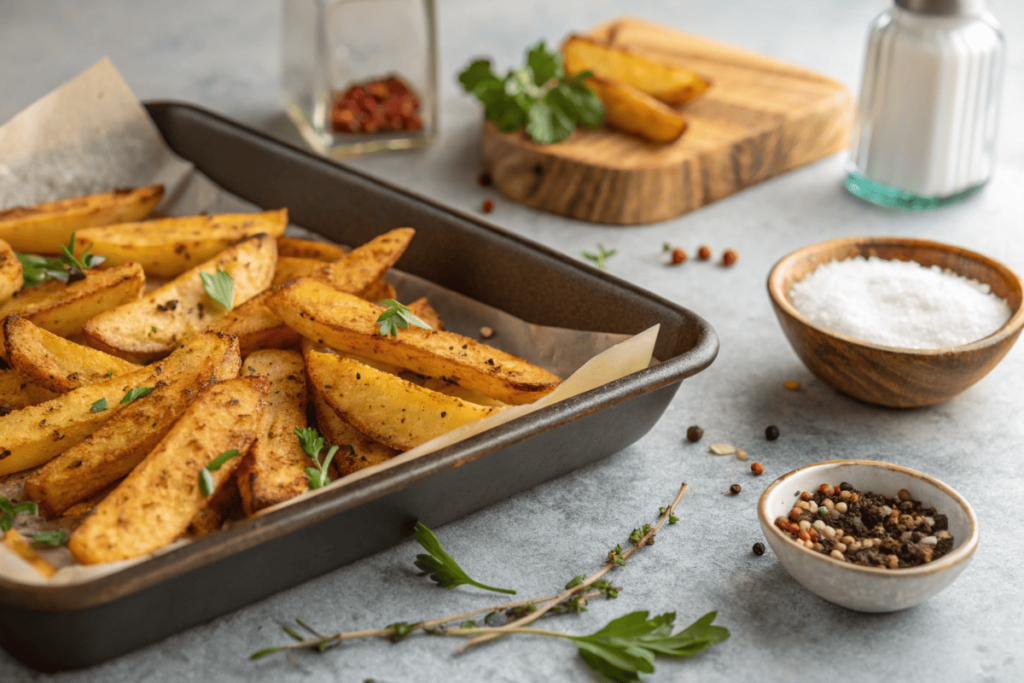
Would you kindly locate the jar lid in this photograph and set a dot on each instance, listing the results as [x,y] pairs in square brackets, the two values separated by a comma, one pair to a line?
[943,7]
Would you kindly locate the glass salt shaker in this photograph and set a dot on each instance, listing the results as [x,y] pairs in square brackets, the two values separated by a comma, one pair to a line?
[360,76]
[925,132]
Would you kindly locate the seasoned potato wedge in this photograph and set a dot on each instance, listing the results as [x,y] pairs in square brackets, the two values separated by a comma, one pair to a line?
[55,363]
[448,389]
[112,451]
[275,468]
[11,278]
[356,450]
[65,308]
[359,271]
[150,327]
[634,111]
[217,508]
[156,502]
[167,247]
[670,84]
[321,251]
[291,267]
[348,324]
[16,392]
[378,291]
[43,228]
[22,547]
[32,436]
[386,408]
[422,309]
[257,327]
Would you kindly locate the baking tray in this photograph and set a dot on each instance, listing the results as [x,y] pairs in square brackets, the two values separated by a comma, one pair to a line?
[64,627]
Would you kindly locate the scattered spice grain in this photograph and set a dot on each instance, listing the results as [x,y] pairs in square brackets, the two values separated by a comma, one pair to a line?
[792,385]
[759,549]
[729,257]
[771,432]
[722,449]
[694,434]
[487,206]
[485,179]
[735,488]
[741,454]
[486,332]
[704,253]
[678,256]
[757,468]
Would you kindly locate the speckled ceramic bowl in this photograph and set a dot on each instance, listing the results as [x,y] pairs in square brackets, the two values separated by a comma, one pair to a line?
[868,589]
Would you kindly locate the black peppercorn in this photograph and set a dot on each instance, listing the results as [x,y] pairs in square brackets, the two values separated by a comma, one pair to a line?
[759,549]
[694,434]
[845,487]
[771,432]
[735,488]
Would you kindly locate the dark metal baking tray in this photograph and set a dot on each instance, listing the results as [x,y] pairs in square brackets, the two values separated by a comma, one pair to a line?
[52,628]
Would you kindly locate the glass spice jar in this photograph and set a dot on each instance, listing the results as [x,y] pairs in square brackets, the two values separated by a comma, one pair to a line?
[360,76]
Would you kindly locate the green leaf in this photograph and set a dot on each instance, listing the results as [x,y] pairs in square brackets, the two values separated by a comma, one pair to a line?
[5,524]
[137,392]
[548,122]
[312,443]
[55,538]
[290,631]
[206,482]
[219,461]
[39,269]
[628,626]
[264,653]
[543,65]
[100,405]
[440,566]
[477,74]
[220,287]
[581,103]
[317,478]
[395,317]
[9,511]
[399,630]
[600,257]
[28,507]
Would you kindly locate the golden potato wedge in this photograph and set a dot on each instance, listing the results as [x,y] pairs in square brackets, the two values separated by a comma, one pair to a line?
[356,450]
[113,450]
[32,436]
[22,547]
[86,506]
[291,267]
[360,269]
[275,468]
[422,309]
[634,111]
[11,278]
[449,389]
[150,327]
[386,408]
[257,327]
[55,363]
[167,247]
[670,84]
[218,507]
[378,291]
[348,324]
[65,308]
[44,228]
[156,502]
[321,251]
[16,392]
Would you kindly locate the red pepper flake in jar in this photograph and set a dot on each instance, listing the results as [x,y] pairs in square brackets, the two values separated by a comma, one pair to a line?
[377,105]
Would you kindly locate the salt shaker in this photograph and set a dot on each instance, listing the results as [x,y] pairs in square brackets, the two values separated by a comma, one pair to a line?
[925,132]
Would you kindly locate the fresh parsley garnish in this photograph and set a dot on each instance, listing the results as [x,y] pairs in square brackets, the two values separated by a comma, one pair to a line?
[137,392]
[101,405]
[539,96]
[87,261]
[397,317]
[313,443]
[8,511]
[55,538]
[600,257]
[442,569]
[206,479]
[220,287]
[39,269]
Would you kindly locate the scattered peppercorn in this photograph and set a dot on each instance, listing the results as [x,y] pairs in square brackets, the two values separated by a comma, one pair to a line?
[678,255]
[704,253]
[792,385]
[487,206]
[735,488]
[757,468]
[759,549]
[729,257]
[771,432]
[485,179]
[694,434]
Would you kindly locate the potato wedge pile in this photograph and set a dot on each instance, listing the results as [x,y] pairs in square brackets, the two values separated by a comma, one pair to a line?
[255,369]
[640,94]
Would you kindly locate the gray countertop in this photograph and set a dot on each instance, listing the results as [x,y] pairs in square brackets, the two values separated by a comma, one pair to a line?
[223,55]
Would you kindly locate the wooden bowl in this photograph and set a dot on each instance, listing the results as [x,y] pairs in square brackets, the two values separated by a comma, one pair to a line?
[886,375]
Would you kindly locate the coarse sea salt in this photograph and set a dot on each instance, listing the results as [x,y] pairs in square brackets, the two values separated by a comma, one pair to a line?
[899,303]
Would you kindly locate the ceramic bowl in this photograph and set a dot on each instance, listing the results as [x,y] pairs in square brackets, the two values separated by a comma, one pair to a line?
[885,375]
[868,589]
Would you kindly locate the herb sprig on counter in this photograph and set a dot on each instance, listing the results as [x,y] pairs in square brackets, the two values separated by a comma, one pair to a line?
[600,257]
[440,566]
[397,317]
[313,443]
[65,268]
[538,95]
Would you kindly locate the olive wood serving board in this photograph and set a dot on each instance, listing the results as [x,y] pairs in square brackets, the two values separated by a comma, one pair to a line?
[761,117]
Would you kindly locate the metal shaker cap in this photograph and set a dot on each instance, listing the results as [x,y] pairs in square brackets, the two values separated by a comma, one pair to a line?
[943,7]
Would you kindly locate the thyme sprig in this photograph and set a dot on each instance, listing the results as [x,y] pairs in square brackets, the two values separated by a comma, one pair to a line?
[600,257]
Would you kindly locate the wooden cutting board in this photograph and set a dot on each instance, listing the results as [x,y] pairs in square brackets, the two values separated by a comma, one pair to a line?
[760,118]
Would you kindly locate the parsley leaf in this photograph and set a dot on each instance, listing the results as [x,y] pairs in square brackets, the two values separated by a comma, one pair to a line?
[600,256]
[397,317]
[442,569]
[8,511]
[66,268]
[220,287]
[137,392]
[313,443]
[206,479]
[55,538]
[100,405]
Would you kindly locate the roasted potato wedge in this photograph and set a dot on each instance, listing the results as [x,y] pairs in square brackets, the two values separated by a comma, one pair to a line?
[321,251]
[356,450]
[670,84]
[112,451]
[150,327]
[378,291]
[22,547]
[348,324]
[387,408]
[275,468]
[218,507]
[634,111]
[32,436]
[16,392]
[55,363]
[359,271]
[257,327]
[11,278]
[449,389]
[156,502]
[65,308]
[167,247]
[422,309]
[291,267]
[43,228]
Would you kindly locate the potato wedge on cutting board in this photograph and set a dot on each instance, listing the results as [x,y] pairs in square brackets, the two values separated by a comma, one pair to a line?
[167,247]
[11,278]
[634,111]
[156,502]
[55,363]
[150,327]
[321,251]
[43,228]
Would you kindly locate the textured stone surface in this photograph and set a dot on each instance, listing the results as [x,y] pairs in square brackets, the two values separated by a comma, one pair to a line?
[223,55]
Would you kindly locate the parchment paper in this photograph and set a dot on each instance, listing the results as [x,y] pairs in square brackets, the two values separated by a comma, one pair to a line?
[91,135]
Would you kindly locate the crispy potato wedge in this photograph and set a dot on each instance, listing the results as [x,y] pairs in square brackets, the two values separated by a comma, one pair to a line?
[356,450]
[112,451]
[378,291]
[672,85]
[167,247]
[291,267]
[218,507]
[386,408]
[16,392]
[34,435]
[422,309]
[361,268]
[43,228]
[634,111]
[86,506]
[275,468]
[64,309]
[449,389]
[348,324]
[11,278]
[56,363]
[257,327]
[156,502]
[22,547]
[150,327]
[321,251]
